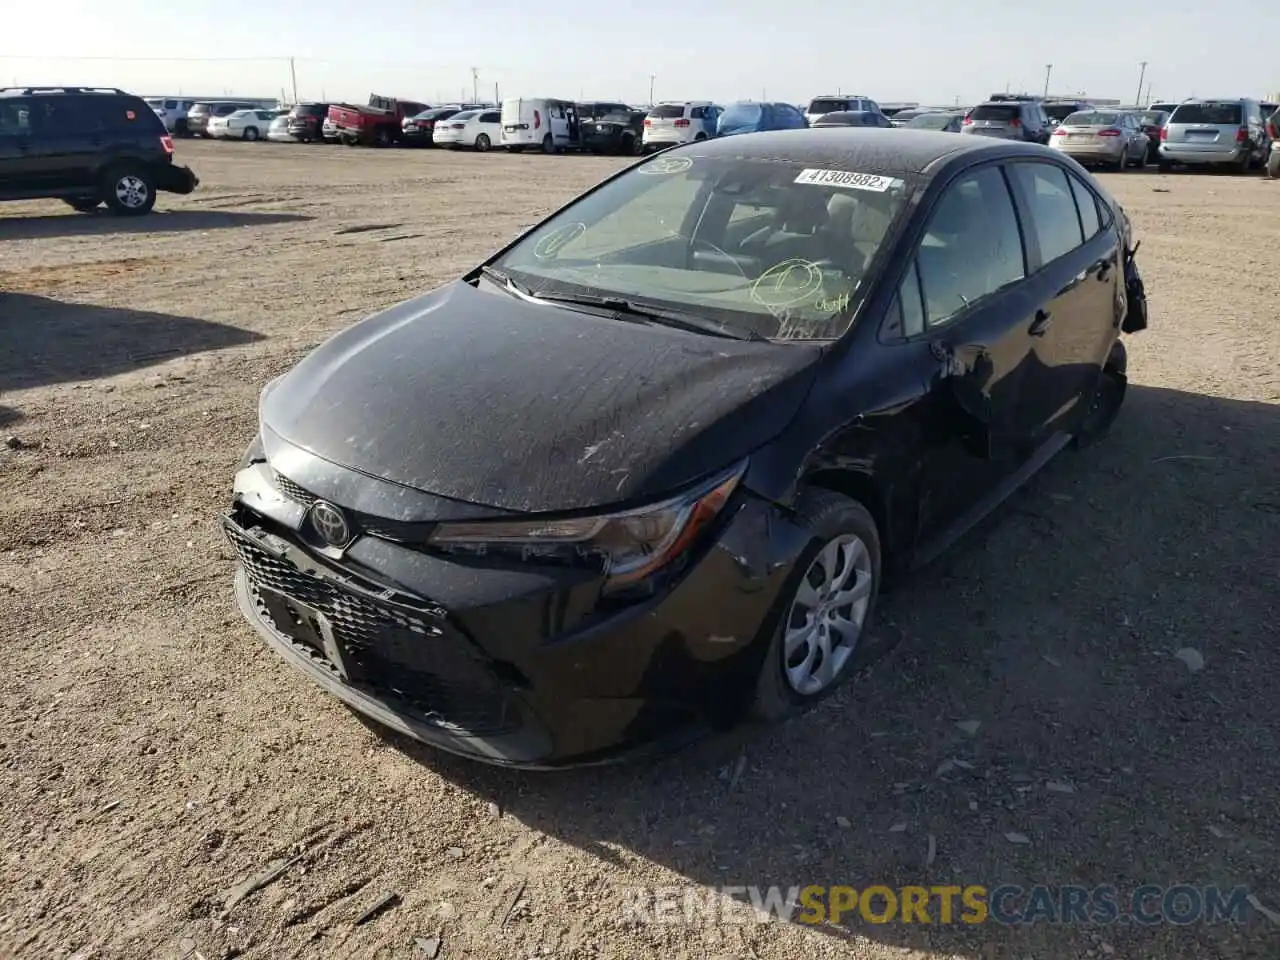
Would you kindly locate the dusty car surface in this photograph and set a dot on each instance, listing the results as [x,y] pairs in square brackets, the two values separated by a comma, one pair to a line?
[643,472]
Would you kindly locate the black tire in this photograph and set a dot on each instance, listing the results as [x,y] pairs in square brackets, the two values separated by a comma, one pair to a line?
[84,204]
[129,190]
[1103,405]
[483,143]
[699,137]
[828,515]
[382,138]
[180,129]
[250,134]
[548,145]
[1273,165]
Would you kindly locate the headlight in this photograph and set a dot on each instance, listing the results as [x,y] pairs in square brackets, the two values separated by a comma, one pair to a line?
[631,544]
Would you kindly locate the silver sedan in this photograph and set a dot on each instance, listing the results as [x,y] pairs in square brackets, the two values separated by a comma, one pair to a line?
[1111,137]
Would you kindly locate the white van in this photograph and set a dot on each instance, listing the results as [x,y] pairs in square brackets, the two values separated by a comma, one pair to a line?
[542,123]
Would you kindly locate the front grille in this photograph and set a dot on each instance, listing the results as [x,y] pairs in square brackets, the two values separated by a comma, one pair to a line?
[292,490]
[415,662]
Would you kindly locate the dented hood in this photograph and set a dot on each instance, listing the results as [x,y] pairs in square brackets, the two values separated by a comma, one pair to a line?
[476,395]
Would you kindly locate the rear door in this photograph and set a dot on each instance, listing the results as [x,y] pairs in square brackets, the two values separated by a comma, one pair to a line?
[964,297]
[996,120]
[661,122]
[1072,282]
[72,138]
[1209,127]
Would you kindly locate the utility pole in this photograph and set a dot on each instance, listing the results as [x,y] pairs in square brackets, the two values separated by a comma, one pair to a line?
[1048,70]
[497,101]
[293,75]
[652,77]
[1142,75]
[475,85]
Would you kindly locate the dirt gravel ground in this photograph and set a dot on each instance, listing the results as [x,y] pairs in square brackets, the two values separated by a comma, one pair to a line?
[154,754]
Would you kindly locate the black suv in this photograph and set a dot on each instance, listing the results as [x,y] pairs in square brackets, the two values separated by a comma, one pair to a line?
[87,147]
[611,128]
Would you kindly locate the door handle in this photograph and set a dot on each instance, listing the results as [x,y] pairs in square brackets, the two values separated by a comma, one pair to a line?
[1040,324]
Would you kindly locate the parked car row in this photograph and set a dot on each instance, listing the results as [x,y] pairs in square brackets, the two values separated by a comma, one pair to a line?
[1201,132]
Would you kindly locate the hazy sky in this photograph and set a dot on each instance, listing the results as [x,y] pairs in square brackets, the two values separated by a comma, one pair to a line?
[931,51]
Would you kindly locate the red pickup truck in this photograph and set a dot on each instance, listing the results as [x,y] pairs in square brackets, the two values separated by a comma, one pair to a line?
[378,123]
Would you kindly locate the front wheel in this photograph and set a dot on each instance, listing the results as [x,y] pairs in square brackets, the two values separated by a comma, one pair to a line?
[548,145]
[382,138]
[482,142]
[129,191]
[250,134]
[823,636]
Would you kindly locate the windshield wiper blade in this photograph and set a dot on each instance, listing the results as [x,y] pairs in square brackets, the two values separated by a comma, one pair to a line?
[657,315]
[502,280]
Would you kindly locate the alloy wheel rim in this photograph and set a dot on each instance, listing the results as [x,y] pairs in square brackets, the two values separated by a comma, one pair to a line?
[825,621]
[131,192]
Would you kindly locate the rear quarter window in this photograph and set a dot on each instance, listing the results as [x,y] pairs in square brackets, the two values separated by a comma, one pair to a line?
[667,111]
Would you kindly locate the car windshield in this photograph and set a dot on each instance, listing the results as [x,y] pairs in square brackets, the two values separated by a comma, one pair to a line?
[667,111]
[930,121]
[759,247]
[827,105]
[1091,118]
[309,110]
[1221,114]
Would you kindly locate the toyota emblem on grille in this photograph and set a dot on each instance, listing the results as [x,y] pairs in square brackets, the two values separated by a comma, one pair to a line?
[330,523]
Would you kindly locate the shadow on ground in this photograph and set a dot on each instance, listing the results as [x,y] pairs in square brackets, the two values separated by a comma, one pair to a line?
[51,341]
[1054,627]
[101,222]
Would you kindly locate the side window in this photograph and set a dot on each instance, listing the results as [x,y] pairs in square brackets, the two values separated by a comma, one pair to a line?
[972,246]
[698,113]
[1088,207]
[1053,209]
[69,115]
[171,104]
[489,118]
[15,118]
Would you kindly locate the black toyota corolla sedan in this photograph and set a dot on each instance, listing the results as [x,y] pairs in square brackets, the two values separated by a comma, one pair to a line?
[641,473]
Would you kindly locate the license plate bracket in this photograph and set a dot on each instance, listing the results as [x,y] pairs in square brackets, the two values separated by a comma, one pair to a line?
[305,624]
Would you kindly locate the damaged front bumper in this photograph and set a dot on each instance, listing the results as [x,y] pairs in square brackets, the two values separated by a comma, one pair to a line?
[175,179]
[519,665]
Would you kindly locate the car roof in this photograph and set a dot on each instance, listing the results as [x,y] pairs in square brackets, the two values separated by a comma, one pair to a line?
[878,150]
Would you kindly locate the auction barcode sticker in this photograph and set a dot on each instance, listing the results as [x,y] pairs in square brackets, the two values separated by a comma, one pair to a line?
[846,178]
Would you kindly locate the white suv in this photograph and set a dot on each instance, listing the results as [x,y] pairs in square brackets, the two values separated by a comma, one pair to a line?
[680,122]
